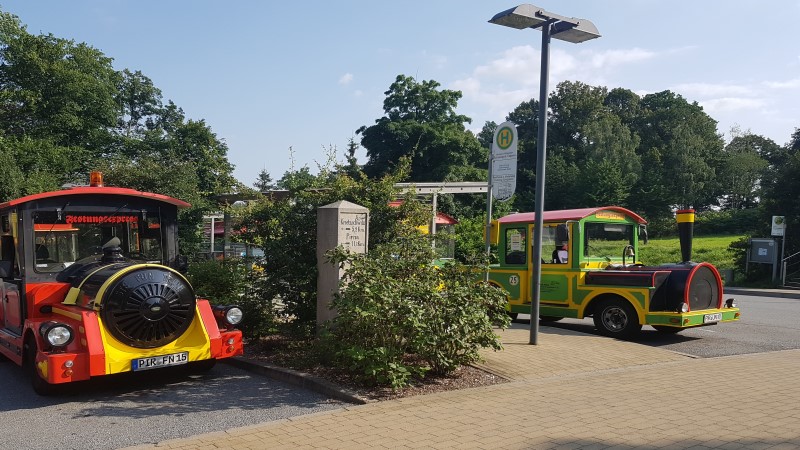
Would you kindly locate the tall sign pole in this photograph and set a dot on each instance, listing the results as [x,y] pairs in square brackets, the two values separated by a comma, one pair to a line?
[502,172]
[541,157]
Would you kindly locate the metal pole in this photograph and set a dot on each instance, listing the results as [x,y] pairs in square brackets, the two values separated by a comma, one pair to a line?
[489,217]
[541,156]
[783,254]
[433,221]
[211,250]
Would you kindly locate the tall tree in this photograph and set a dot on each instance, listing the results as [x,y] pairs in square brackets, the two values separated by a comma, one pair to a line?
[746,160]
[139,102]
[681,149]
[54,88]
[420,121]
[794,143]
[264,181]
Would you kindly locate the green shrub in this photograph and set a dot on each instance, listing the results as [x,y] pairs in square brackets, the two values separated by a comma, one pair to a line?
[236,282]
[400,316]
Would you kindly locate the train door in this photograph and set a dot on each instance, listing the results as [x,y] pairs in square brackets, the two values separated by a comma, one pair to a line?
[556,264]
[9,287]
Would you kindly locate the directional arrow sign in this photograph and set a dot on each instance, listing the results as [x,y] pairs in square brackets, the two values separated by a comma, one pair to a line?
[504,161]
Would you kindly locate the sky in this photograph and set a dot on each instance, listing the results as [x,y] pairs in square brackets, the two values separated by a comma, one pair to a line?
[287,84]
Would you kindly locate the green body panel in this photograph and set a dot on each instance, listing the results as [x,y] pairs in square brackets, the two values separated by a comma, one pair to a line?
[563,289]
[690,319]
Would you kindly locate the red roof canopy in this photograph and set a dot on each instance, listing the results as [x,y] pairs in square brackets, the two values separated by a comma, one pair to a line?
[569,214]
[94,191]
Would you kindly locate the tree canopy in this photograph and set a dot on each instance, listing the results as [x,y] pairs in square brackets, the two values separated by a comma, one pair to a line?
[64,111]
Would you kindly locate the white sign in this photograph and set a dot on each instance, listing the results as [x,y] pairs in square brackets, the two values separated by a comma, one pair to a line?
[353,232]
[504,161]
[778,225]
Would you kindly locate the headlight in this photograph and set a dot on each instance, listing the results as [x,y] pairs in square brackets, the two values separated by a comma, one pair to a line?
[231,315]
[684,307]
[730,303]
[56,334]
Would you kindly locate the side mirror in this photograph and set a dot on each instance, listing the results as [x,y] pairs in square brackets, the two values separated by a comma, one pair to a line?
[562,233]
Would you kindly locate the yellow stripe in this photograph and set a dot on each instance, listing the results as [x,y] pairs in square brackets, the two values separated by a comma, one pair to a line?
[74,292]
[126,270]
[685,217]
[71,315]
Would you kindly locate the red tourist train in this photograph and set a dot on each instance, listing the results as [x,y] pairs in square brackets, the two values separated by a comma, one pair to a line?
[92,286]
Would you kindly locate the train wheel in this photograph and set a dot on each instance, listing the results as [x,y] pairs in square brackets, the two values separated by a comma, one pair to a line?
[667,330]
[616,318]
[39,384]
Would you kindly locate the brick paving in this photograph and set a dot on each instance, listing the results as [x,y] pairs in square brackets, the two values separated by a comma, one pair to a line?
[572,391]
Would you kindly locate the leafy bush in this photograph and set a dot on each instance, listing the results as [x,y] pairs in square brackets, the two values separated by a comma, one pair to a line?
[400,316]
[236,282]
[286,229]
[732,221]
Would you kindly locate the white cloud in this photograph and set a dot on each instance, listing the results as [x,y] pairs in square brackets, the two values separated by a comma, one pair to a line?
[499,86]
[727,104]
[694,90]
[346,79]
[614,58]
[790,84]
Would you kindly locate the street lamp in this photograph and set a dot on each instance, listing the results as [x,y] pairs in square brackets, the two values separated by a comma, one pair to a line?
[567,29]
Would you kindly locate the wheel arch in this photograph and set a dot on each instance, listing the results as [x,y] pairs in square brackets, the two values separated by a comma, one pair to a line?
[598,299]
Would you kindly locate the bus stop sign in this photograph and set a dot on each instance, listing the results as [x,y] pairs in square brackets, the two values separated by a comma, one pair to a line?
[504,161]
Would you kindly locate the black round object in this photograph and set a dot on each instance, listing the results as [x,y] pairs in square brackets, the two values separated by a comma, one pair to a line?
[148,307]
[615,317]
[703,289]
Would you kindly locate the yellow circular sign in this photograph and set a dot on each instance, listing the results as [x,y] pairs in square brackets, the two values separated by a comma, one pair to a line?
[505,137]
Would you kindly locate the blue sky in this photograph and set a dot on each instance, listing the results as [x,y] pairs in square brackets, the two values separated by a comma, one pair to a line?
[267,75]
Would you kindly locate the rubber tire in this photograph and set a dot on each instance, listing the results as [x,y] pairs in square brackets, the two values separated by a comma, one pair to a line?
[513,316]
[616,318]
[549,319]
[667,330]
[40,386]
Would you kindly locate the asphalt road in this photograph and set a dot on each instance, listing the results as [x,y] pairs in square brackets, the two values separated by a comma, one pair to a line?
[767,324]
[125,411]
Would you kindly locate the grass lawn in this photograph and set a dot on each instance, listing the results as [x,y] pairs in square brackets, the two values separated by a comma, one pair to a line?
[712,249]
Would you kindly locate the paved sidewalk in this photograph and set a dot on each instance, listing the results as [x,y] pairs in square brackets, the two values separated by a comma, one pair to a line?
[571,391]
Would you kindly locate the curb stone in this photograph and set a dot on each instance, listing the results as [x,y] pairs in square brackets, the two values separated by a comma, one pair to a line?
[296,378]
[779,293]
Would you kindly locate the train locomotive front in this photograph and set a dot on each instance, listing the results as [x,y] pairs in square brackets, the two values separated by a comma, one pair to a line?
[93,286]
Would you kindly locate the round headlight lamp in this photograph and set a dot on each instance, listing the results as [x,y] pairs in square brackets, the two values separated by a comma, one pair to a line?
[234,315]
[684,307]
[231,315]
[56,334]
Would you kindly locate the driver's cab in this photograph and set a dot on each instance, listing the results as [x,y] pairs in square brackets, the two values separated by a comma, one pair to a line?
[63,236]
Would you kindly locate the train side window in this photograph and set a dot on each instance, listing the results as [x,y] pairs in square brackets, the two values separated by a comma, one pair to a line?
[516,247]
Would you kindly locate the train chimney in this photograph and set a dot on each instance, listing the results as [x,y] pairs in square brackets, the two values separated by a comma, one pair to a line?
[685,219]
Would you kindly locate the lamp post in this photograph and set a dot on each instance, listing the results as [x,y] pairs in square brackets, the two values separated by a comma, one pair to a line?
[563,28]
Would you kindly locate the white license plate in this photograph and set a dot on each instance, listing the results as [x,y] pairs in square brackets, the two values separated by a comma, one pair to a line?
[155,362]
[711,318]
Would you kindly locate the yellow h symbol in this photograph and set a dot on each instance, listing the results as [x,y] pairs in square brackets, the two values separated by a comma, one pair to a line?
[504,138]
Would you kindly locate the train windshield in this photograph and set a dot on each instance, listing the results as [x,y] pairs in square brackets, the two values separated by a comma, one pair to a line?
[62,238]
[606,240]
